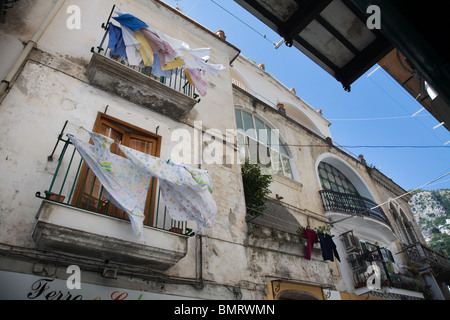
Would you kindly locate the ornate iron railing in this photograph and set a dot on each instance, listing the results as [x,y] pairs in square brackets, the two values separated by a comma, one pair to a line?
[69,176]
[372,255]
[352,204]
[420,253]
[177,79]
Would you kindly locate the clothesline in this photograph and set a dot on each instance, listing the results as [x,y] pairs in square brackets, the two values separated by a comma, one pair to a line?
[327,245]
[390,200]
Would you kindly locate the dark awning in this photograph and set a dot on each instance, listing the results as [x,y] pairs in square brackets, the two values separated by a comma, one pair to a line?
[333,33]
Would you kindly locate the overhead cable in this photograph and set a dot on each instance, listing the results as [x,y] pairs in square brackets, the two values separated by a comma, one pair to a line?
[390,200]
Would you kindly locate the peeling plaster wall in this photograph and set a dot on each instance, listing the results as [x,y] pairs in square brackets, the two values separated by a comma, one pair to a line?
[53,87]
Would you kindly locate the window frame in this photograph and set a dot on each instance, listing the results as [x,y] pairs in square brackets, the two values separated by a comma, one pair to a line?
[128,132]
[251,136]
[341,176]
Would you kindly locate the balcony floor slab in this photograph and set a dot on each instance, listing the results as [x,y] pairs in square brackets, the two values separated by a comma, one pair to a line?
[70,230]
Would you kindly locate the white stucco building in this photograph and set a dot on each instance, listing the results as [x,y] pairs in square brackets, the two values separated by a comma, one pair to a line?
[58,78]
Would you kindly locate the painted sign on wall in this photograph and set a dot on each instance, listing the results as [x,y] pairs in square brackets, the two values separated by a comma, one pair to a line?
[19,286]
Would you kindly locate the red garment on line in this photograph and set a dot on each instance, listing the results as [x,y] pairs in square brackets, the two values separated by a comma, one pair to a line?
[311,237]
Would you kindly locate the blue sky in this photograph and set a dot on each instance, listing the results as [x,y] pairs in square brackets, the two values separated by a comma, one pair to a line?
[376,113]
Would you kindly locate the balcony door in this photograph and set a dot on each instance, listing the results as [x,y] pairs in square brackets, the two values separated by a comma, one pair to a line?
[90,194]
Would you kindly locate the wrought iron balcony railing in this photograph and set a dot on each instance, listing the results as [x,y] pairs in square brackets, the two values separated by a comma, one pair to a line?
[74,185]
[420,253]
[352,204]
[177,79]
[375,257]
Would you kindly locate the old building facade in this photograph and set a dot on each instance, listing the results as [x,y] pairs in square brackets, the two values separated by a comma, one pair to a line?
[61,80]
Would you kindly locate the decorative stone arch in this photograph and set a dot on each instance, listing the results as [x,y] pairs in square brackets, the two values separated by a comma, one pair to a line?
[268,122]
[296,295]
[346,170]
[372,228]
[403,224]
[301,117]
[241,81]
[295,174]
[287,290]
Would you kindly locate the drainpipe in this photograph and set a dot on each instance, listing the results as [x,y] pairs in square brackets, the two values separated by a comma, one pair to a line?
[5,84]
[199,268]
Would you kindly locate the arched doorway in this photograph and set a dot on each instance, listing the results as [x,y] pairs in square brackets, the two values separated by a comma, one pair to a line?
[290,290]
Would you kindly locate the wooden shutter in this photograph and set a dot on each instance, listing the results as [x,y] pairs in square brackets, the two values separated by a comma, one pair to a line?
[90,195]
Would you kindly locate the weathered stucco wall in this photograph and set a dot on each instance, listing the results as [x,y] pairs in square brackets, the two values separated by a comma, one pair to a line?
[53,88]
[232,254]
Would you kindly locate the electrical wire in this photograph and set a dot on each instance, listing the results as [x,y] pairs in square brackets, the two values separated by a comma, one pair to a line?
[363,119]
[376,119]
[349,147]
[396,102]
[245,23]
[390,200]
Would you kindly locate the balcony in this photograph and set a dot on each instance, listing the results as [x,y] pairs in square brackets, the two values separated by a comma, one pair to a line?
[419,254]
[76,217]
[352,204]
[171,95]
[392,283]
[353,209]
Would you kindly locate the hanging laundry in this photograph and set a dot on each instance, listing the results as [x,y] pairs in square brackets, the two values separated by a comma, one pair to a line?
[145,49]
[181,48]
[157,69]
[126,184]
[173,64]
[133,47]
[328,247]
[311,237]
[195,79]
[116,43]
[159,46]
[213,69]
[130,21]
[187,192]
[141,43]
[200,179]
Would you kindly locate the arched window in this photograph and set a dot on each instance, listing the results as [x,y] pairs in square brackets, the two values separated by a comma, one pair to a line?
[260,143]
[334,180]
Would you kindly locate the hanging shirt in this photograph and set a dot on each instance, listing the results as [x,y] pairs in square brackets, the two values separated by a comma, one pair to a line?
[115,42]
[328,247]
[212,69]
[178,62]
[311,237]
[182,48]
[157,69]
[195,79]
